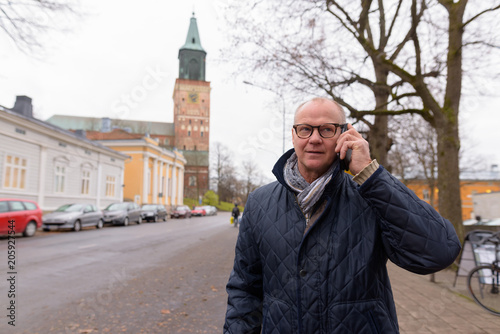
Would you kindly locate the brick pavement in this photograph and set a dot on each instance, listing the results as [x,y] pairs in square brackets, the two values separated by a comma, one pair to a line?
[426,307]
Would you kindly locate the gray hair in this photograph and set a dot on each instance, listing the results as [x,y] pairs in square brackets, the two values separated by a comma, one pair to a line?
[322,100]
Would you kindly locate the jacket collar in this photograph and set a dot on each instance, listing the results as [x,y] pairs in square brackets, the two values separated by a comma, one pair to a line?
[280,165]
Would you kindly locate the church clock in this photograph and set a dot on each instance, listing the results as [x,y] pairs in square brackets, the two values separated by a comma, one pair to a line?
[193,97]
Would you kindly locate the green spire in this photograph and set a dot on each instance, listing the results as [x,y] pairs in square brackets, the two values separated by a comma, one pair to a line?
[193,37]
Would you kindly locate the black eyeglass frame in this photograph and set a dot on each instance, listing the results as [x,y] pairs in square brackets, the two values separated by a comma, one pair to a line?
[343,128]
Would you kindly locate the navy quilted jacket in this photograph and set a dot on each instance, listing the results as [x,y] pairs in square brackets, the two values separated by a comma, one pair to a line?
[333,279]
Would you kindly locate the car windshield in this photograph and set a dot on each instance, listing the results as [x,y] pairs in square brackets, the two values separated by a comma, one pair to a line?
[149,207]
[117,206]
[70,208]
[199,208]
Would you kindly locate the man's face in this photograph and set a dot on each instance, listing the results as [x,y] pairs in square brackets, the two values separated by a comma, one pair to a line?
[315,154]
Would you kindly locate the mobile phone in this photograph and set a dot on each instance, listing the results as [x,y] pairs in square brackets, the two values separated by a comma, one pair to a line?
[344,163]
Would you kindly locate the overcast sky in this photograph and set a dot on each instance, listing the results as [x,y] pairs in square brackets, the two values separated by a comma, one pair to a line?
[100,69]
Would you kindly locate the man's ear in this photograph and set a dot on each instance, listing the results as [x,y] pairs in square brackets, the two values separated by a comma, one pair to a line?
[293,137]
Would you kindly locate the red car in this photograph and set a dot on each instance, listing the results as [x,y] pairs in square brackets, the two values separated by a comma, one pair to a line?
[182,211]
[198,211]
[19,215]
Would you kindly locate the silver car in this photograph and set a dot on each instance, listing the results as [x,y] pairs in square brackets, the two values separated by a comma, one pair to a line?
[73,216]
[154,212]
[210,210]
[123,213]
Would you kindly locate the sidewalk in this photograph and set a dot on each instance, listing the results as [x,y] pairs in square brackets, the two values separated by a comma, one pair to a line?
[426,307]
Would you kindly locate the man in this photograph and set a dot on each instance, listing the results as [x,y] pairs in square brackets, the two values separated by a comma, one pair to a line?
[312,248]
[236,214]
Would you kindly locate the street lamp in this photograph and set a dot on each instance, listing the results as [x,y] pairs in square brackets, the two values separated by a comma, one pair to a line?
[282,100]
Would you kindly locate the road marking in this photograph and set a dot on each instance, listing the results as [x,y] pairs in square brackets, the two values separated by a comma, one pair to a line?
[87,246]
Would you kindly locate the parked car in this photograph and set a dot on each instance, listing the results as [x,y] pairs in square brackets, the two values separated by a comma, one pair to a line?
[492,222]
[154,212]
[210,210]
[20,216]
[198,211]
[469,222]
[123,213]
[181,211]
[74,216]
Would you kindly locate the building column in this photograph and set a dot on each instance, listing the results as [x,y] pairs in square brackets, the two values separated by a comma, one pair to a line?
[41,176]
[180,190]
[174,181]
[154,193]
[122,180]
[145,185]
[99,183]
[161,183]
[168,198]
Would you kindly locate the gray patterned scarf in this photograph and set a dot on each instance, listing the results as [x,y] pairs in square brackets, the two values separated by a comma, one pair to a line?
[307,194]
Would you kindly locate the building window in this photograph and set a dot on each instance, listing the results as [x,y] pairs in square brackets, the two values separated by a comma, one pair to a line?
[426,195]
[85,182]
[189,133]
[201,133]
[189,121]
[201,122]
[110,186]
[15,172]
[59,178]
[192,181]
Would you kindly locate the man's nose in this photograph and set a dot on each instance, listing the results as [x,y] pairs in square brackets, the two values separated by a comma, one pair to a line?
[315,136]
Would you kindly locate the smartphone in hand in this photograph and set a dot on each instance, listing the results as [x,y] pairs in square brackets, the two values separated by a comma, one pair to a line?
[344,163]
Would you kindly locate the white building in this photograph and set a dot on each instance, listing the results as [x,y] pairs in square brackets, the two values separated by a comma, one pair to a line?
[42,162]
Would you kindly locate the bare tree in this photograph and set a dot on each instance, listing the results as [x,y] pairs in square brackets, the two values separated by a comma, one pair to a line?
[407,55]
[223,173]
[249,179]
[24,22]
[414,154]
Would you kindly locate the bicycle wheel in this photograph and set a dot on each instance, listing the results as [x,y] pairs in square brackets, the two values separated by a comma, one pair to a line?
[483,283]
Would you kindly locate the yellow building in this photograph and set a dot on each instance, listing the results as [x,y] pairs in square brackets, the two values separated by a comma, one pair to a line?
[153,174]
[470,183]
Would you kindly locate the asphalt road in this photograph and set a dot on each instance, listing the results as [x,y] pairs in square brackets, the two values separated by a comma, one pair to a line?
[165,277]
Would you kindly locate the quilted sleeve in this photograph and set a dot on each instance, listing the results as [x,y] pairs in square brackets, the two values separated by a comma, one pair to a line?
[414,235]
[244,288]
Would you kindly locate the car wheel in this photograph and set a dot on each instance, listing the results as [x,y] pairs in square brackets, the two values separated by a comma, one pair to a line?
[30,229]
[78,226]
[100,223]
[125,221]
[139,221]
[165,218]
[155,218]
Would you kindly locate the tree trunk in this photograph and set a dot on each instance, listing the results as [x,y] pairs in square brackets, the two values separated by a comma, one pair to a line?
[379,138]
[450,205]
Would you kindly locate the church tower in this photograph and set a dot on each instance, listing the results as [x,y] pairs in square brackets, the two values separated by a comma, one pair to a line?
[192,113]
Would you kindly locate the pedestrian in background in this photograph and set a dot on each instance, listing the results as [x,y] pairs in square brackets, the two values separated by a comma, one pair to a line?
[312,247]
[236,214]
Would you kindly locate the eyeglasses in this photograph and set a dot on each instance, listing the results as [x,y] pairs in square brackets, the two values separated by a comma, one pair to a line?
[327,130]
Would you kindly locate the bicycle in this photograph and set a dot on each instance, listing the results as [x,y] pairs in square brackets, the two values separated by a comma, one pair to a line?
[483,280]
